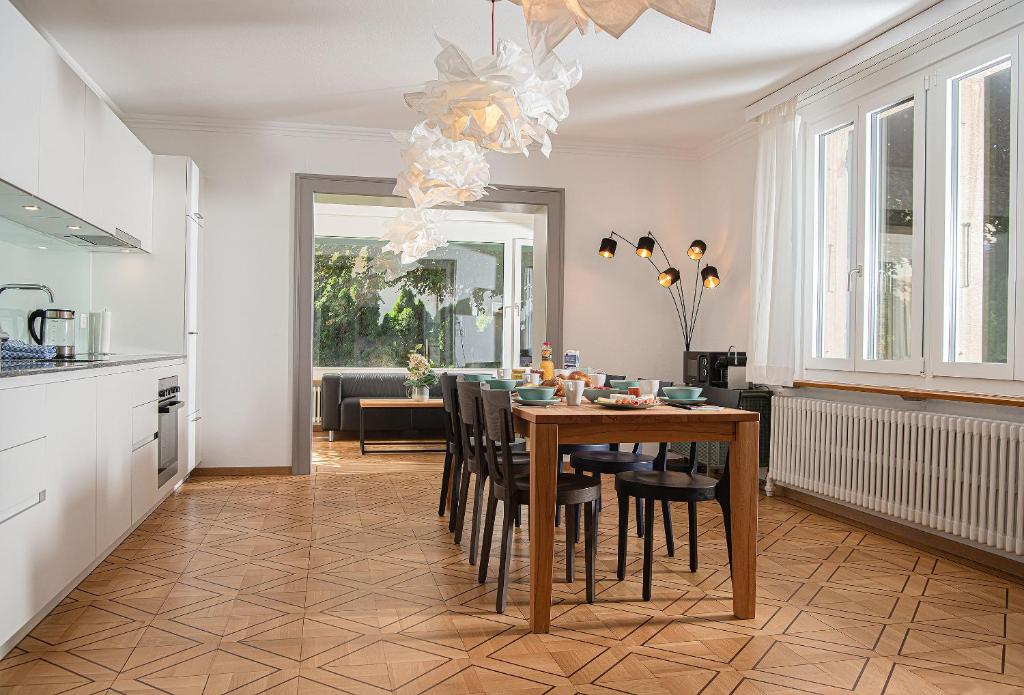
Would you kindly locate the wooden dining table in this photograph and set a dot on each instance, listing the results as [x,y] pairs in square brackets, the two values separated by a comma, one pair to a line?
[548,427]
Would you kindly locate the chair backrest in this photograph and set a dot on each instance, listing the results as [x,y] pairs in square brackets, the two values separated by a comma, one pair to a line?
[450,397]
[498,434]
[471,424]
[613,377]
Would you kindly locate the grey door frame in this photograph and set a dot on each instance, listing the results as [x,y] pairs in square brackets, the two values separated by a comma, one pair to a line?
[306,188]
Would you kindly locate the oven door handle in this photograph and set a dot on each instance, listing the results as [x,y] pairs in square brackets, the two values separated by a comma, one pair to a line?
[166,408]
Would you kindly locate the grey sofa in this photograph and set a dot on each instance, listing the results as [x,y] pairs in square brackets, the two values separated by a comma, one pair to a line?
[341,394]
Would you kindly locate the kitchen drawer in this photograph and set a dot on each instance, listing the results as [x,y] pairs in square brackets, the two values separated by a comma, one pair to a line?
[22,415]
[144,424]
[22,478]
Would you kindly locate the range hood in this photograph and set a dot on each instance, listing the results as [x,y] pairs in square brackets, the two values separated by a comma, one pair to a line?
[52,223]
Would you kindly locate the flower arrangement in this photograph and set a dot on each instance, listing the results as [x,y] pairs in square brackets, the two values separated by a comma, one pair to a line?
[421,372]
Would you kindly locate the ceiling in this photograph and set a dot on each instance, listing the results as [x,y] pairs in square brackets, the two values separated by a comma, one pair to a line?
[347,62]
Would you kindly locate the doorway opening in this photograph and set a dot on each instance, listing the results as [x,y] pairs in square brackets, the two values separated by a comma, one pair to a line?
[485,300]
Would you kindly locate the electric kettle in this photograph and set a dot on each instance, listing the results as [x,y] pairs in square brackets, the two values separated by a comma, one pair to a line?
[56,328]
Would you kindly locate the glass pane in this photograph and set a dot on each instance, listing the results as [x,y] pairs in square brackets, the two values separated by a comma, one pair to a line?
[369,311]
[890,269]
[980,236]
[526,307]
[835,225]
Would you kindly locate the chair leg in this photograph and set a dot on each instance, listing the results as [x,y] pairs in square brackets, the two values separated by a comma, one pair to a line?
[446,475]
[505,562]
[474,528]
[519,515]
[639,518]
[648,547]
[456,484]
[590,546]
[691,510]
[620,568]
[570,542]
[727,523]
[666,515]
[460,524]
[485,542]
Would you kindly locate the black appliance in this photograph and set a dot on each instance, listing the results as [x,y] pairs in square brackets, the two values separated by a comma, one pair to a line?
[711,368]
[167,425]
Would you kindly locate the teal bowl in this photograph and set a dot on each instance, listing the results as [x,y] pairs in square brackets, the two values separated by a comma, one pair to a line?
[593,394]
[536,393]
[682,393]
[477,377]
[624,383]
[502,384]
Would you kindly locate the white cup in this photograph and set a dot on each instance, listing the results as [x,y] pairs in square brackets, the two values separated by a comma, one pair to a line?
[598,379]
[573,389]
[533,378]
[649,387]
[504,373]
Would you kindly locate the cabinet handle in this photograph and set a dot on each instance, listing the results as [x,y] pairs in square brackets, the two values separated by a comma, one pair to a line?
[25,505]
[193,333]
[197,419]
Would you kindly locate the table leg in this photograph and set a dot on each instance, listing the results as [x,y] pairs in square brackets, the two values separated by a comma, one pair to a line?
[743,464]
[543,483]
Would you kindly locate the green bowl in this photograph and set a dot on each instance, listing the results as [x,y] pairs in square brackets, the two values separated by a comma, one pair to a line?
[502,384]
[624,383]
[593,394]
[682,393]
[477,377]
[536,393]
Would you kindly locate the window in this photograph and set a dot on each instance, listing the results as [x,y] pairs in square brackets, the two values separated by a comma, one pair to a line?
[890,266]
[467,304]
[835,241]
[913,193]
[979,230]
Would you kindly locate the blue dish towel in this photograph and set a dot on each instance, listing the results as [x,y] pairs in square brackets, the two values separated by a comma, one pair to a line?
[14,349]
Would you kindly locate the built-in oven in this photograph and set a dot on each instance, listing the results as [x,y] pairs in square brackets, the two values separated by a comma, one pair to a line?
[167,427]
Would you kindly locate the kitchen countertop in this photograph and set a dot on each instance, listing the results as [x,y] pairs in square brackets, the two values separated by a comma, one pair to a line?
[10,368]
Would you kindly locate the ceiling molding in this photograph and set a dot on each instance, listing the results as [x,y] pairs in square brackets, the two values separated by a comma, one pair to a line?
[314,130]
[745,132]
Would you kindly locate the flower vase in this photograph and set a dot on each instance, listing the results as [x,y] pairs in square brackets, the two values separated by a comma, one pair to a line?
[419,393]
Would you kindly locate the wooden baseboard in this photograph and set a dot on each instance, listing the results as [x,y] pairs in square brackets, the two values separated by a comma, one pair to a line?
[978,557]
[242,470]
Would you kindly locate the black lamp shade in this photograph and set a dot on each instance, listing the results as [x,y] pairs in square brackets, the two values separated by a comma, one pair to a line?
[608,247]
[697,249]
[645,247]
[709,276]
[668,277]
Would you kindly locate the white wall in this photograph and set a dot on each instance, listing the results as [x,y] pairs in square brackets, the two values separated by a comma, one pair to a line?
[615,311]
[726,171]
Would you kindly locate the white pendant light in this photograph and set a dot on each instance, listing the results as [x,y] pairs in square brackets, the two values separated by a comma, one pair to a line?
[439,171]
[502,102]
[550,21]
[413,234]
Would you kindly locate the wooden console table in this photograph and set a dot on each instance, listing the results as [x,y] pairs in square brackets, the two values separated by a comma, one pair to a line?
[396,404]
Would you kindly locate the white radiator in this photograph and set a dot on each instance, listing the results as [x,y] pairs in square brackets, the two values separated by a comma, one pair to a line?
[959,475]
[318,404]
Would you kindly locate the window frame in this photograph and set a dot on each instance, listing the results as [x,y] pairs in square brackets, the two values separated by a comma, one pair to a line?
[868,105]
[836,120]
[942,207]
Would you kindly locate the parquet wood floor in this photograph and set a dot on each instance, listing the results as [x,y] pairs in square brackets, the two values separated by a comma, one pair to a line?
[346,581]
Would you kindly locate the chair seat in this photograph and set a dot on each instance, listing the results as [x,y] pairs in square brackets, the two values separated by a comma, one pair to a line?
[666,485]
[572,489]
[610,462]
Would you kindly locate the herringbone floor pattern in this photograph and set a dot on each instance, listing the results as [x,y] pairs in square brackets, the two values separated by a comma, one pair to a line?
[348,582]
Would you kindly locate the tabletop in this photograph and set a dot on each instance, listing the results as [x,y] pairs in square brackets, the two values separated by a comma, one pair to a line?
[399,403]
[662,414]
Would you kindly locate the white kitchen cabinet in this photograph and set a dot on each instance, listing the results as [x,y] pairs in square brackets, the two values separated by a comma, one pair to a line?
[22,55]
[71,472]
[144,479]
[101,174]
[133,202]
[27,547]
[113,459]
[61,136]
[22,415]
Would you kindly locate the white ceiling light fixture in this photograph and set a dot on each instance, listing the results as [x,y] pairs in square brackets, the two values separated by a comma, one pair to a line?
[502,102]
[550,21]
[413,234]
[440,171]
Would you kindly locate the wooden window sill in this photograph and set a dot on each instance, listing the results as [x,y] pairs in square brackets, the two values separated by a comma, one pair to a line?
[916,394]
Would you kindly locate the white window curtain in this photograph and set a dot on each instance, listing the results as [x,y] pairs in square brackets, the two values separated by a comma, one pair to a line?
[776,252]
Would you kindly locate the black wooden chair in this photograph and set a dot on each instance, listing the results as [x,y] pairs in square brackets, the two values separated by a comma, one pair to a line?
[452,473]
[669,486]
[511,486]
[612,462]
